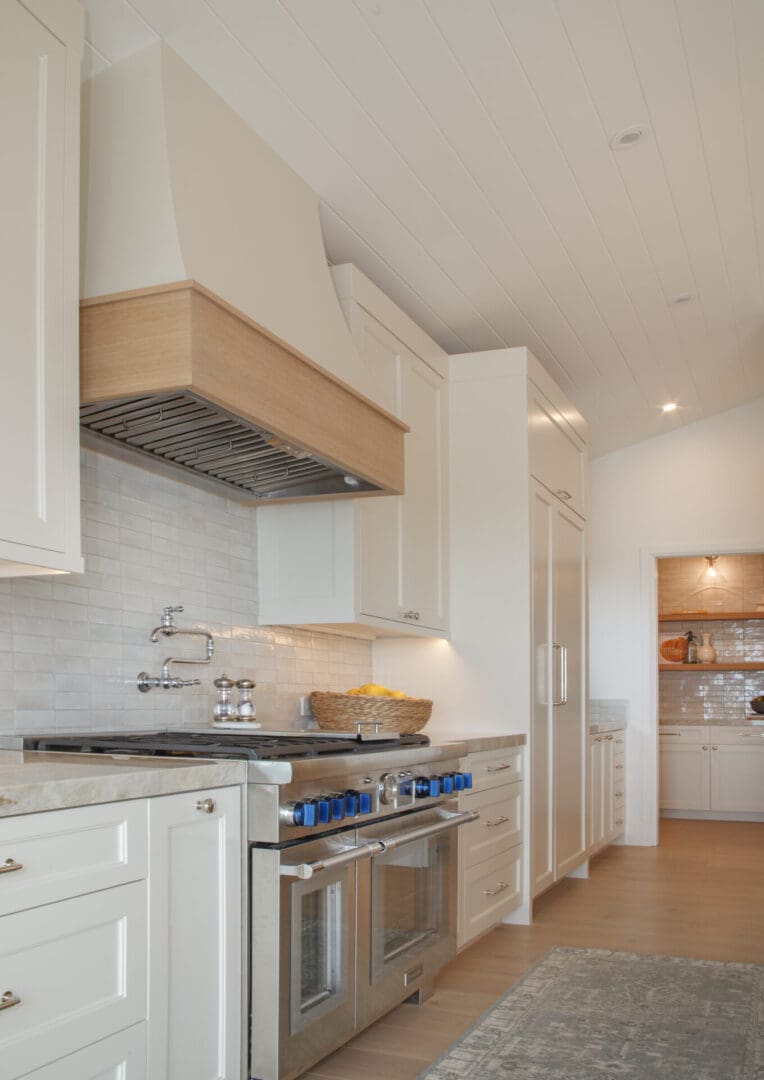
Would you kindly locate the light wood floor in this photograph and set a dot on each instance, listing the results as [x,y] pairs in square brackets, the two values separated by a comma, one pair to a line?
[700,894]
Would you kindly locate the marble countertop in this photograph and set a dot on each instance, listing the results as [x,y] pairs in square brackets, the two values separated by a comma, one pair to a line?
[31,781]
[606,725]
[476,743]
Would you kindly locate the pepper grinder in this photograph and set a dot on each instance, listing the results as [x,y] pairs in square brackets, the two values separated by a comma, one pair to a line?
[224,708]
[245,708]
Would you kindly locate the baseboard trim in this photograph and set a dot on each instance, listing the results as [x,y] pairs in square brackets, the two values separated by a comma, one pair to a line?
[711,815]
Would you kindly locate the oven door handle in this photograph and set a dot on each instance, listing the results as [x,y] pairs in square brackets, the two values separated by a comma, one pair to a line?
[453,821]
[306,870]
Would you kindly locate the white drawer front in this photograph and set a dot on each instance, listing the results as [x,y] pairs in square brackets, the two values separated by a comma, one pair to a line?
[120,1057]
[78,969]
[65,853]
[490,890]
[495,767]
[499,827]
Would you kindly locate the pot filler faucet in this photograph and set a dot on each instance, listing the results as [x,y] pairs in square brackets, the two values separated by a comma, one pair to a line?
[166,680]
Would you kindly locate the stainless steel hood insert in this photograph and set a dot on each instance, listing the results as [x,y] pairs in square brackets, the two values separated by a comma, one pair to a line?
[184,431]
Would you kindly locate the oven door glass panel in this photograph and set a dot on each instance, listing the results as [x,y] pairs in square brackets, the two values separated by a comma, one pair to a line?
[407,892]
[320,942]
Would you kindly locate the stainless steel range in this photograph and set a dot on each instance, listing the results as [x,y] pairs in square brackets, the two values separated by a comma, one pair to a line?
[352,845]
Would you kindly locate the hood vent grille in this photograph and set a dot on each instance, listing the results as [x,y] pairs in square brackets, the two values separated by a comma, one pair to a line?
[187,433]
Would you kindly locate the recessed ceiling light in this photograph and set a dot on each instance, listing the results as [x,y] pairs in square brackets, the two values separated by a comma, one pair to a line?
[670,406]
[628,137]
[682,298]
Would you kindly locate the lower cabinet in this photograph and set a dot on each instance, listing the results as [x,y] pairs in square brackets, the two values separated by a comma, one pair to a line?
[115,965]
[607,788]
[491,848]
[195,944]
[712,769]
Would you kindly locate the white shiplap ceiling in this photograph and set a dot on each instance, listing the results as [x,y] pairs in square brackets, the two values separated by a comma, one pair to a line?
[461,152]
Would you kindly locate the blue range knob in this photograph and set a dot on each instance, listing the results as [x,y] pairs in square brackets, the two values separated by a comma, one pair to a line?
[467,780]
[364,803]
[351,803]
[458,781]
[304,814]
[324,809]
[405,787]
[447,783]
[338,807]
[427,787]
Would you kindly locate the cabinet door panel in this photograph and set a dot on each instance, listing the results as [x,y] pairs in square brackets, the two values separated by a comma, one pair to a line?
[79,970]
[542,734]
[737,779]
[684,777]
[570,736]
[195,948]
[423,509]
[120,1057]
[556,455]
[34,424]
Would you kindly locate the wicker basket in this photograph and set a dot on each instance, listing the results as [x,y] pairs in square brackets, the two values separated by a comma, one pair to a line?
[345,712]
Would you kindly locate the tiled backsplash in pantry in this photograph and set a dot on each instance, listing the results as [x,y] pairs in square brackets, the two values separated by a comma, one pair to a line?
[72,646]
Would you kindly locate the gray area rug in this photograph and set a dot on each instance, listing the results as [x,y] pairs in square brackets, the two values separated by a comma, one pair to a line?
[591,1013]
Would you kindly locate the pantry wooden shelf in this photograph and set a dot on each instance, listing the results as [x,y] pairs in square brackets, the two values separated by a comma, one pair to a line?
[742,665]
[709,616]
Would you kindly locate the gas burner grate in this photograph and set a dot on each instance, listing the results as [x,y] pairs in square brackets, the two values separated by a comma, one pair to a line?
[209,744]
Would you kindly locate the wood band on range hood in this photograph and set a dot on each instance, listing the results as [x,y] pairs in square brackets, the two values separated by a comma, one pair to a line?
[183,337]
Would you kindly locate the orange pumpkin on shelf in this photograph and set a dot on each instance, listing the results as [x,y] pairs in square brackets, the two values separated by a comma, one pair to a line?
[674,649]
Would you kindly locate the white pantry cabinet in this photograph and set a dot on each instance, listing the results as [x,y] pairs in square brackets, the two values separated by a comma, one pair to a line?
[41,43]
[708,770]
[374,565]
[121,929]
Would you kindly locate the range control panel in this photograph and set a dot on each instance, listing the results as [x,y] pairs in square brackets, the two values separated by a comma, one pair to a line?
[392,791]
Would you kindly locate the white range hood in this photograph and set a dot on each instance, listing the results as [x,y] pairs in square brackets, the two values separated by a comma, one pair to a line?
[208,299]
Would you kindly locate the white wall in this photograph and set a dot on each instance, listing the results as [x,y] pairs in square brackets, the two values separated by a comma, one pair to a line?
[72,645]
[696,490]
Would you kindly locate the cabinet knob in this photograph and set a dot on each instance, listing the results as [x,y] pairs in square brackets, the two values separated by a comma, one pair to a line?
[563,494]
[207,806]
[705,748]
[9,999]
[714,747]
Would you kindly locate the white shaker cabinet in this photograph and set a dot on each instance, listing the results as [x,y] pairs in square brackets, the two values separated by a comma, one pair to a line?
[195,940]
[606,789]
[374,565]
[712,770]
[558,734]
[41,46]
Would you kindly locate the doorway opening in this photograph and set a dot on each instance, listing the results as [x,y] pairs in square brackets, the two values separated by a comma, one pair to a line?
[710,638]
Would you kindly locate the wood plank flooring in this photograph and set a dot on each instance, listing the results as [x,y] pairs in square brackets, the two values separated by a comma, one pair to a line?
[700,894]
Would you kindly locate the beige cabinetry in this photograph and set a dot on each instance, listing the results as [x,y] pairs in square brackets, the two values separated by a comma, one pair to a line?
[491,848]
[557,453]
[40,52]
[375,564]
[708,770]
[607,789]
[120,930]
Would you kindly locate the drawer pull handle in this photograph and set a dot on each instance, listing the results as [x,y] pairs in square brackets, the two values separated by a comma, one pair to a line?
[10,865]
[496,889]
[619,821]
[496,821]
[619,766]
[563,494]
[608,738]
[498,768]
[207,806]
[671,734]
[618,794]
[9,999]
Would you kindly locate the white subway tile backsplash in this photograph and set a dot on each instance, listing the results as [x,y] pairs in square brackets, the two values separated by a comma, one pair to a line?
[71,648]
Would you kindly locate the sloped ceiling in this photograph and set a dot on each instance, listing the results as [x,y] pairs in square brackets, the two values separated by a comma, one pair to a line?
[462,154]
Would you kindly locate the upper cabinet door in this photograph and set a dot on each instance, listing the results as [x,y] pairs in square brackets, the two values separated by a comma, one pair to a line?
[39,490]
[424,542]
[557,455]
